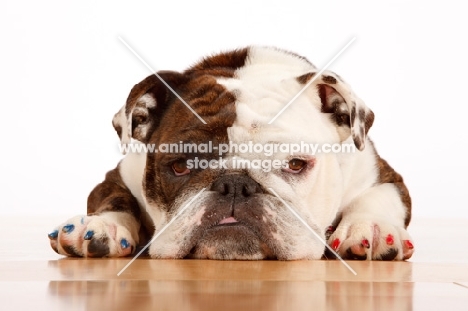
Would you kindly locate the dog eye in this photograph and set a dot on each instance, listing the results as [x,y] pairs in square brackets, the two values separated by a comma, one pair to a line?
[296,165]
[180,168]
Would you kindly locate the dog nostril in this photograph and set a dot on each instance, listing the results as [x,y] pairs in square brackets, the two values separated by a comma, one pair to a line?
[225,189]
[236,185]
[248,190]
[245,191]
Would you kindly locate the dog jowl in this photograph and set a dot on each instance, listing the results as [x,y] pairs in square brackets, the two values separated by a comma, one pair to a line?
[223,200]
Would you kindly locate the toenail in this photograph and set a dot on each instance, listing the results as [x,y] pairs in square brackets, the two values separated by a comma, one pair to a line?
[68,228]
[409,244]
[389,239]
[53,235]
[89,235]
[124,243]
[335,244]
[365,243]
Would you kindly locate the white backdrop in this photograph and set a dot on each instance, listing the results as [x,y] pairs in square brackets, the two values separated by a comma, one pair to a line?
[64,73]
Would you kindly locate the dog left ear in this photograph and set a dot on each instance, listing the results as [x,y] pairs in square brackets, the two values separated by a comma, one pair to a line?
[347,110]
[145,105]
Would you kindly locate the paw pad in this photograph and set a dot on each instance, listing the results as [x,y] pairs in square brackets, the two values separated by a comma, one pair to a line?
[356,252]
[98,247]
[390,255]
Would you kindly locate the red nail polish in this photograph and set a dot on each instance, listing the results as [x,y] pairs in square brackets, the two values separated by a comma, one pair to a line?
[389,239]
[335,244]
[365,243]
[409,244]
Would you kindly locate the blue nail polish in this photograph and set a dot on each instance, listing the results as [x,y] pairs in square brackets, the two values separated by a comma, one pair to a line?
[53,235]
[89,235]
[124,243]
[68,228]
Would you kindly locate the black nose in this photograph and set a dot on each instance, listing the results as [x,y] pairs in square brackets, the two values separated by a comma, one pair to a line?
[236,185]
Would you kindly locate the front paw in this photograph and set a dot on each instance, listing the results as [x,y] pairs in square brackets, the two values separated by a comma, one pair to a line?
[370,240]
[92,236]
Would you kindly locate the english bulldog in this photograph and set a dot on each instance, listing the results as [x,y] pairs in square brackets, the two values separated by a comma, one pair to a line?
[354,201]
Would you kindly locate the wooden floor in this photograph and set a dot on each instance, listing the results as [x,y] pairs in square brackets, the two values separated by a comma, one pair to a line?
[33,277]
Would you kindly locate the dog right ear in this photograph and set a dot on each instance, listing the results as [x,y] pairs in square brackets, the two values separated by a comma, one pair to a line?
[145,105]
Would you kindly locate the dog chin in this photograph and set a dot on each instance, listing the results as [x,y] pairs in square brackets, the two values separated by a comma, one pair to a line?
[231,241]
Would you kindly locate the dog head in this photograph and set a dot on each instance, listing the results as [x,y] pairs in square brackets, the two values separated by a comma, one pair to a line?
[233,99]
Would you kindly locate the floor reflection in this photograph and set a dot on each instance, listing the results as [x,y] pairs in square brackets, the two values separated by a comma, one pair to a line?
[232,295]
[194,293]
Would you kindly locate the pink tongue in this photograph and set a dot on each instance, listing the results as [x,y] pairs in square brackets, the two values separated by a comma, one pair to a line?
[228,220]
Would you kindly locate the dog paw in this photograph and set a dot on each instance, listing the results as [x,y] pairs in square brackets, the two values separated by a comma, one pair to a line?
[369,240]
[92,236]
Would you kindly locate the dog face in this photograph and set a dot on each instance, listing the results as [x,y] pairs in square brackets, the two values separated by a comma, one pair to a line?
[237,95]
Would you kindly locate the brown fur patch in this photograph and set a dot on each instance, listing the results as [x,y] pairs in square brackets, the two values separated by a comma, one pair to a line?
[362,115]
[216,106]
[388,175]
[357,141]
[329,79]
[113,196]
[353,113]
[212,102]
[366,119]
[305,77]
[369,121]
[223,64]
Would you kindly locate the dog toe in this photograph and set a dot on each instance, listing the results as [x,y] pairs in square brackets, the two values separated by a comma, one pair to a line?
[53,235]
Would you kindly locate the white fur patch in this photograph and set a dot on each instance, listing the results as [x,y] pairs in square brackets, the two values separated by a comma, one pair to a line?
[120,120]
[148,100]
[263,87]
[132,169]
